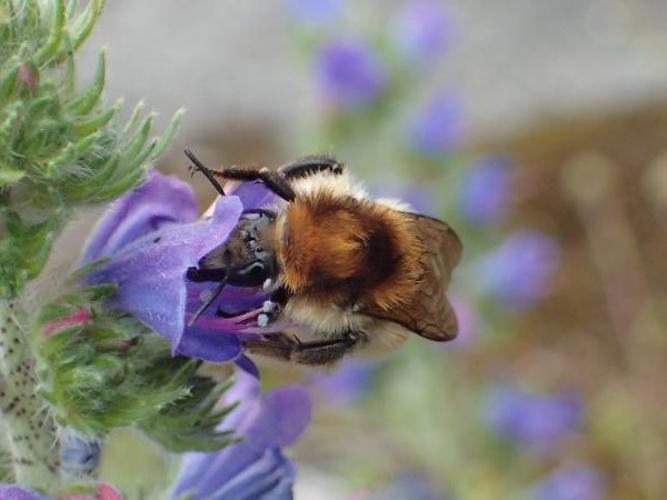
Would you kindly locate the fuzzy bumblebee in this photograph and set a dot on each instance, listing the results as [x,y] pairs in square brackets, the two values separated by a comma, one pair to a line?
[343,270]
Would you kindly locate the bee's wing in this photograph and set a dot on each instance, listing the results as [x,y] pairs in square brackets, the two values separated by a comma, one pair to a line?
[429,313]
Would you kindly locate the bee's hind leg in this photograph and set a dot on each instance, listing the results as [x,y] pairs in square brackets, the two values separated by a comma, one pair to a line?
[322,352]
[313,164]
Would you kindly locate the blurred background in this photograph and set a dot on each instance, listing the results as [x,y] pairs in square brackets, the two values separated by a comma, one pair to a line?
[538,129]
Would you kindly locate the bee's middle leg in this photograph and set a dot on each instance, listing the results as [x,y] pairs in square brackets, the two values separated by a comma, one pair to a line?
[273,180]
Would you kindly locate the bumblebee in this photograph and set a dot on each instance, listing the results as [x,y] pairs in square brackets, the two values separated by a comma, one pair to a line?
[343,270]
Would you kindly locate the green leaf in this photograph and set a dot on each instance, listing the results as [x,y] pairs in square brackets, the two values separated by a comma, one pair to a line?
[10,176]
[168,134]
[135,117]
[71,8]
[8,83]
[89,126]
[138,140]
[83,26]
[90,97]
[52,44]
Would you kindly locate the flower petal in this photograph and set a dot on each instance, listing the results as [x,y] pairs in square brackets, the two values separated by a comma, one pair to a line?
[274,420]
[150,273]
[253,194]
[160,201]
[14,492]
[269,478]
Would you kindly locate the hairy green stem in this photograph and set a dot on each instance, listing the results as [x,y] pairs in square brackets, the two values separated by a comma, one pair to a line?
[30,430]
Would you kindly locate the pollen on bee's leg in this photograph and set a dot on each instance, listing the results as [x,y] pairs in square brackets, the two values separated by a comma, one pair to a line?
[269,306]
[263,320]
[267,284]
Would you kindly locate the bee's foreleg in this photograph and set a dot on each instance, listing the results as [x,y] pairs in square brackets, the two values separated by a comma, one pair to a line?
[307,353]
[199,166]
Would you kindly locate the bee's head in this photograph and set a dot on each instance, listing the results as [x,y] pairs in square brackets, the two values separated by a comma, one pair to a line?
[247,258]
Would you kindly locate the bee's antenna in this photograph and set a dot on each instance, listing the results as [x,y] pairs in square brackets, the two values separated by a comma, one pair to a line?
[210,301]
[204,170]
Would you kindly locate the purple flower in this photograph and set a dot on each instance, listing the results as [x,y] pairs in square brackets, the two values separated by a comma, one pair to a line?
[571,482]
[437,127]
[158,203]
[315,12]
[536,421]
[485,191]
[518,272]
[349,74]
[348,384]
[421,29]
[255,467]
[408,485]
[79,455]
[14,492]
[151,240]
[103,491]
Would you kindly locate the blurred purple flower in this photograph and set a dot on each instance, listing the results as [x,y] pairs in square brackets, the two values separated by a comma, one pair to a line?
[571,482]
[535,421]
[348,384]
[151,240]
[519,271]
[255,467]
[349,74]
[485,191]
[421,29]
[315,12]
[14,492]
[103,491]
[408,485]
[79,455]
[437,127]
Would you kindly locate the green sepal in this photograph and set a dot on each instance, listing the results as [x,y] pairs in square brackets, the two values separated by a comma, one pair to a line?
[190,424]
[102,369]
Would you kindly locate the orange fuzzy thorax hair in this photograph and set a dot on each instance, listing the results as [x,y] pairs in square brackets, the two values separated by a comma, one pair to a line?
[347,251]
